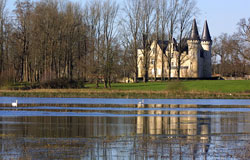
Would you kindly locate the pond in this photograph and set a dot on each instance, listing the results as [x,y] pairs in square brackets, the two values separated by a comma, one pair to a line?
[92,128]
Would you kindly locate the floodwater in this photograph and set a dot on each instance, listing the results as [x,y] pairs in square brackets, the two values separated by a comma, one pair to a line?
[62,128]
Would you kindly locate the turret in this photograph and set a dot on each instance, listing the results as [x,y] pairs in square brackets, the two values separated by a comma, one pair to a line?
[194,35]
[206,43]
[194,51]
[206,34]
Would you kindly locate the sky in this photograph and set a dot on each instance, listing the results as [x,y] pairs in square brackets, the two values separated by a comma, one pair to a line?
[222,15]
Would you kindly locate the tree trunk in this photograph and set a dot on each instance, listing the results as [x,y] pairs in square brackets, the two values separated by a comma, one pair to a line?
[136,63]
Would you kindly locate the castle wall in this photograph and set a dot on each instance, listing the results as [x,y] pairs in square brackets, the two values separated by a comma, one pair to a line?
[194,56]
[200,64]
[207,69]
[185,65]
[158,61]
[140,63]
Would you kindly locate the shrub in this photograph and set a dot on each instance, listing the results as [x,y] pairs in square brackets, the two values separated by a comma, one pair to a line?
[62,83]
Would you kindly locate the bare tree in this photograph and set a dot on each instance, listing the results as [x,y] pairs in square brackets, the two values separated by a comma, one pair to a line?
[92,18]
[186,10]
[23,13]
[164,18]
[2,40]
[173,13]
[127,57]
[131,25]
[243,35]
[226,48]
[6,27]
[147,21]
[109,15]
[156,31]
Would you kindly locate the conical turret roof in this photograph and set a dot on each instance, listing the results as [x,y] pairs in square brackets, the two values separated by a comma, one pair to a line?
[194,35]
[206,35]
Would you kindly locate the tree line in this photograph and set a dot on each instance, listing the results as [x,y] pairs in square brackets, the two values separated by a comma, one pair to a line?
[52,39]
[96,42]
[231,53]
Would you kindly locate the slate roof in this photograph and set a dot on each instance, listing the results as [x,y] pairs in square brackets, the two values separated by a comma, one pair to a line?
[163,45]
[194,35]
[206,34]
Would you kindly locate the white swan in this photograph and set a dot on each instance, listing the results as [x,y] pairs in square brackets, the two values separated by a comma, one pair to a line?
[14,104]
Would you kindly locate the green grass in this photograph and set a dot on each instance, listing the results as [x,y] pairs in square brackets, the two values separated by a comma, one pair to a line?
[222,86]
[194,85]
[150,86]
[227,86]
[168,89]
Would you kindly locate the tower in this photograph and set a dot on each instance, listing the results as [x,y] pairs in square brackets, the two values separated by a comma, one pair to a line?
[206,43]
[194,46]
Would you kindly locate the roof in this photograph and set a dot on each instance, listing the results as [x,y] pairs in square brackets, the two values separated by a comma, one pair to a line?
[206,35]
[184,40]
[194,35]
[163,45]
[174,44]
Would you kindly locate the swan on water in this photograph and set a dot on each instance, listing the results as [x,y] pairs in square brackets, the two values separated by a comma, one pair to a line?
[14,104]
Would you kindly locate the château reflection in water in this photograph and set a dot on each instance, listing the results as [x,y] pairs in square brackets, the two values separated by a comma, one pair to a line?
[184,123]
[182,126]
[156,132]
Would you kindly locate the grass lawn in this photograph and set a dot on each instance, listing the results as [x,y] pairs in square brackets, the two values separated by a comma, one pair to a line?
[150,86]
[222,86]
[169,89]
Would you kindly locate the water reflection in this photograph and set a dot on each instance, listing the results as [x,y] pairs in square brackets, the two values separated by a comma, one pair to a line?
[32,100]
[154,131]
[187,130]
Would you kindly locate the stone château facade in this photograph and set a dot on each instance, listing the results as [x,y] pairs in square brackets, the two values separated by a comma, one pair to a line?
[195,59]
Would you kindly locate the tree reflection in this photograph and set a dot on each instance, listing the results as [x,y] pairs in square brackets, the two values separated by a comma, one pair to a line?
[147,131]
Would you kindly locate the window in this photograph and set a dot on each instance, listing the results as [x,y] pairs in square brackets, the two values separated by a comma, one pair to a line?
[152,61]
[159,72]
[202,54]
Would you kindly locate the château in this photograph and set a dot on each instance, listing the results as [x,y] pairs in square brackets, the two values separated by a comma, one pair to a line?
[195,57]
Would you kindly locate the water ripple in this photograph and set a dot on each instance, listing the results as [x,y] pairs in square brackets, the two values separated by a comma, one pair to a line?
[30,100]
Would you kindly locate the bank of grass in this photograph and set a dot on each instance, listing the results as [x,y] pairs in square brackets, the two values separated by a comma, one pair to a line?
[224,86]
[229,86]
[150,86]
[168,89]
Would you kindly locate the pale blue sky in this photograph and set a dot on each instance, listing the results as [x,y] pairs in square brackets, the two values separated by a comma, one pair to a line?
[222,15]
